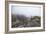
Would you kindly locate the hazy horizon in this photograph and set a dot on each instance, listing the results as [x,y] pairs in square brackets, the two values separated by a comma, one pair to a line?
[27,11]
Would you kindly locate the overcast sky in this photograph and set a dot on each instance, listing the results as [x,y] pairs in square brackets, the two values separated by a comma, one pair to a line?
[27,11]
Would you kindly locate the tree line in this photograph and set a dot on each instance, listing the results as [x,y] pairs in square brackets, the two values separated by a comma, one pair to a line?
[23,21]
